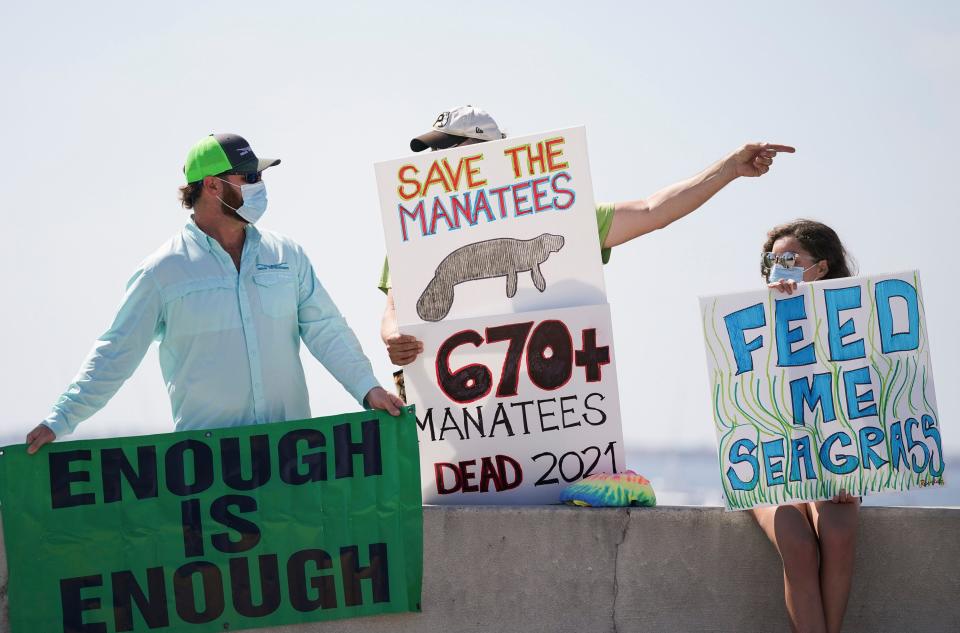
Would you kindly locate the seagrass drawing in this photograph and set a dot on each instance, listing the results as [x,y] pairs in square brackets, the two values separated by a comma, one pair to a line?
[502,257]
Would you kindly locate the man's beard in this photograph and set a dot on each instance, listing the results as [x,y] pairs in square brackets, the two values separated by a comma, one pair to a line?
[231,198]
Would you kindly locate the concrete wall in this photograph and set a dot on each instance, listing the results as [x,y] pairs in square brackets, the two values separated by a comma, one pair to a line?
[553,568]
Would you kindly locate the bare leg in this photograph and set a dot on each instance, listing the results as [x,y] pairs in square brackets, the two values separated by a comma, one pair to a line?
[836,526]
[790,530]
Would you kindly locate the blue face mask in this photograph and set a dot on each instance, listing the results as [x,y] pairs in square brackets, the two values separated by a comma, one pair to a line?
[254,201]
[794,273]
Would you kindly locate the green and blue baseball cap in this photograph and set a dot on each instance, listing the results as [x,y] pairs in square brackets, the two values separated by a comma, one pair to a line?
[223,153]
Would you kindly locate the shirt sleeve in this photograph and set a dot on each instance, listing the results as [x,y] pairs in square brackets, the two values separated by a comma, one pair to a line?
[385,284]
[328,337]
[114,357]
[604,222]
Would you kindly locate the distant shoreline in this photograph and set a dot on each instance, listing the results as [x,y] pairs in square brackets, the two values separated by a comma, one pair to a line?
[690,477]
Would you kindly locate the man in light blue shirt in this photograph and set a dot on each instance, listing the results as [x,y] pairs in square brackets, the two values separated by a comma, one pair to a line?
[229,304]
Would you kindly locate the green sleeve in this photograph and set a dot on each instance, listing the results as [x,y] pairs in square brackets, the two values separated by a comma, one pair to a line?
[604,222]
[385,284]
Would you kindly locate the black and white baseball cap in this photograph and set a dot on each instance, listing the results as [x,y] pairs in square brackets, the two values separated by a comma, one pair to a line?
[451,126]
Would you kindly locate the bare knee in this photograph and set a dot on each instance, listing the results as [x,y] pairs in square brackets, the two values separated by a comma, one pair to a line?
[837,527]
[796,542]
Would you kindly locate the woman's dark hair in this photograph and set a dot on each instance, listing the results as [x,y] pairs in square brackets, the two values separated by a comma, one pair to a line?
[819,240]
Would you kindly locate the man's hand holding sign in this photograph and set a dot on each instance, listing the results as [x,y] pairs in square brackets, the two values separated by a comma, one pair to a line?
[40,435]
[378,398]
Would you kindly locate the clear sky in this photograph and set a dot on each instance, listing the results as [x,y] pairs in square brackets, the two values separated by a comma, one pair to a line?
[100,102]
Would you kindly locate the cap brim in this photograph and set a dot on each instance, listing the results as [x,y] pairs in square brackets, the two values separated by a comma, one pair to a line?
[434,139]
[254,166]
[267,162]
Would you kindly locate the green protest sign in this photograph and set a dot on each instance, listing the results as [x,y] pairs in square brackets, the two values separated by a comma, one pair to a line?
[225,529]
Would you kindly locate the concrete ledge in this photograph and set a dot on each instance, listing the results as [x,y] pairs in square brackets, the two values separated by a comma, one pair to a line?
[670,569]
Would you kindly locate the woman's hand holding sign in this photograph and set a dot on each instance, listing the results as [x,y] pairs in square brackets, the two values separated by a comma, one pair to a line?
[844,497]
[783,285]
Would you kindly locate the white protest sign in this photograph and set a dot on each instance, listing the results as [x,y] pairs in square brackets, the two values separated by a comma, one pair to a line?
[492,228]
[513,408]
[828,388]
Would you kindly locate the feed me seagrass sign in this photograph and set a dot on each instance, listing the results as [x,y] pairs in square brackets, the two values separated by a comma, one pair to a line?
[218,530]
[826,389]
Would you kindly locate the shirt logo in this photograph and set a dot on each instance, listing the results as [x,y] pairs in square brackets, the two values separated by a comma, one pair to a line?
[280,266]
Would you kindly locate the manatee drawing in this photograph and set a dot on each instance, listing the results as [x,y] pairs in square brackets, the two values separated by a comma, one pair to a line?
[503,257]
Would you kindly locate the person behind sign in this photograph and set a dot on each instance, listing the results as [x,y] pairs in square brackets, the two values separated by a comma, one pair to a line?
[617,223]
[229,304]
[816,540]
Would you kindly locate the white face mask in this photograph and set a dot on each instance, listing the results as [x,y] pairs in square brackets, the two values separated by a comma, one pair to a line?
[254,201]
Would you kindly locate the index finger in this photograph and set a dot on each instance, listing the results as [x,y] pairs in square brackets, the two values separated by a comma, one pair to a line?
[779,148]
[404,345]
[403,338]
